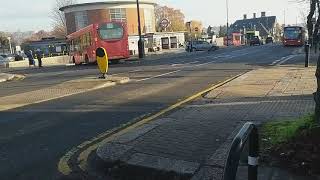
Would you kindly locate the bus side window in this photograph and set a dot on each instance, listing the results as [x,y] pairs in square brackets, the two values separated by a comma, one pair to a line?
[77,44]
[81,42]
[87,40]
[72,46]
[90,39]
[84,41]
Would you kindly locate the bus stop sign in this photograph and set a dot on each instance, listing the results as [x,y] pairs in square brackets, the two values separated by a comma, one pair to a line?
[102,60]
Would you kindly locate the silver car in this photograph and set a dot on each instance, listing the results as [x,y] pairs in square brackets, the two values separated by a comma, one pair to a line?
[200,46]
[4,63]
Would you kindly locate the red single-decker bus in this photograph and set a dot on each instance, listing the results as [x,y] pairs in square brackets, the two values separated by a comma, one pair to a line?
[113,36]
[294,36]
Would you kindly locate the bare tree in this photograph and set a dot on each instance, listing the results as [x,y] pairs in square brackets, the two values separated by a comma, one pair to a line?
[58,18]
[175,16]
[37,36]
[313,37]
[303,18]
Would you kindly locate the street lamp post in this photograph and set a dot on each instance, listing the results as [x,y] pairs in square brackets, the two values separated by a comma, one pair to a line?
[140,42]
[244,35]
[227,6]
[9,39]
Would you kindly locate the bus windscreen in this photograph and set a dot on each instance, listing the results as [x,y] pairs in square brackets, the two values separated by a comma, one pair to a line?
[292,33]
[110,31]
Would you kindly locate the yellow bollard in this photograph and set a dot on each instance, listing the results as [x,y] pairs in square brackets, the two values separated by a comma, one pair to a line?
[102,60]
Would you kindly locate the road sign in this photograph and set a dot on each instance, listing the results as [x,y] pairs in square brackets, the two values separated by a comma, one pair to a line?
[164,23]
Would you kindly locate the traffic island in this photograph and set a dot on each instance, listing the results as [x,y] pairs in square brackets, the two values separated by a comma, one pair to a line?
[65,89]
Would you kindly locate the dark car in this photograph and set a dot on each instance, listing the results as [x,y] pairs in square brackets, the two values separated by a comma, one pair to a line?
[18,57]
[269,40]
[255,41]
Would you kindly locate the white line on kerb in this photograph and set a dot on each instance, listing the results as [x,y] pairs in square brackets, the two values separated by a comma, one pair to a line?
[158,76]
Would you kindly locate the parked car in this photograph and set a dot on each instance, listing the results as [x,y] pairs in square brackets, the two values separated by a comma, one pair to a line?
[269,40]
[256,41]
[200,46]
[18,57]
[8,57]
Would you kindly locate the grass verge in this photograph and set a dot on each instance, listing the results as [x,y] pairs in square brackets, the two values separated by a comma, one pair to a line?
[281,131]
[292,145]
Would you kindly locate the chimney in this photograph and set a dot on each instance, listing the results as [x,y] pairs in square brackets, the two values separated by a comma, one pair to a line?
[254,15]
[244,16]
[263,14]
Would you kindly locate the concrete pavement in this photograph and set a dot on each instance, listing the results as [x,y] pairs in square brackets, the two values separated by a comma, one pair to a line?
[192,143]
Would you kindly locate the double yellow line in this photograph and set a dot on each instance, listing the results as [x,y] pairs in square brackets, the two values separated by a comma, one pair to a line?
[86,148]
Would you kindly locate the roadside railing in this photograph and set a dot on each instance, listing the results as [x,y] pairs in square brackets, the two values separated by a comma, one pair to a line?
[249,132]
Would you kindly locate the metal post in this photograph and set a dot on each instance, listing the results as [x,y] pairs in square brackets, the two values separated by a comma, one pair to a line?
[253,155]
[227,4]
[9,39]
[307,58]
[140,42]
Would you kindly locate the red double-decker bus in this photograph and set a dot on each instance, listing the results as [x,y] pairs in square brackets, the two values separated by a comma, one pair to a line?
[294,36]
[113,36]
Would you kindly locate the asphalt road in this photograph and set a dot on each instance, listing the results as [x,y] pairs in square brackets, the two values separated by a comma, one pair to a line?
[33,138]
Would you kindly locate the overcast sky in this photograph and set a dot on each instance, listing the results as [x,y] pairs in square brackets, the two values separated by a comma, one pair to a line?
[34,15]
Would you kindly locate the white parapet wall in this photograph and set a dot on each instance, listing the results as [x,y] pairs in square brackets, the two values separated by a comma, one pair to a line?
[50,61]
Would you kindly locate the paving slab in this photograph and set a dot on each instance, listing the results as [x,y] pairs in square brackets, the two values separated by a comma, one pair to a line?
[194,140]
[264,82]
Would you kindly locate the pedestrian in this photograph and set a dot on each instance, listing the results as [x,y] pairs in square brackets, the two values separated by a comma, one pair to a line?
[30,58]
[39,57]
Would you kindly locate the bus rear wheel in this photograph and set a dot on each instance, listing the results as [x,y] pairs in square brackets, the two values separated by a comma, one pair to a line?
[86,59]
[115,61]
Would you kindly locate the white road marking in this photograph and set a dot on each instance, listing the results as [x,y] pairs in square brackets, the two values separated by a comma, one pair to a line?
[137,70]
[286,59]
[204,63]
[176,64]
[158,76]
[193,62]
[282,60]
[241,103]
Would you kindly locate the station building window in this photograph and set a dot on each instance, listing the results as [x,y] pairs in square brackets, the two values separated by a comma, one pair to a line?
[118,14]
[81,18]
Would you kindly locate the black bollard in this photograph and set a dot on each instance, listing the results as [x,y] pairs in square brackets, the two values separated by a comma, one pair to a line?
[307,51]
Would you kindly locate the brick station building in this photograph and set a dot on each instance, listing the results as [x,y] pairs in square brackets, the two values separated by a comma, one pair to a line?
[81,15]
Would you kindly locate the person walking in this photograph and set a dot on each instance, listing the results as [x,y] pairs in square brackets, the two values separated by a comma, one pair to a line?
[30,58]
[39,57]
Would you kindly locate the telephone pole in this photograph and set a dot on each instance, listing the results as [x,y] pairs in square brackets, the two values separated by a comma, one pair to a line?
[141,41]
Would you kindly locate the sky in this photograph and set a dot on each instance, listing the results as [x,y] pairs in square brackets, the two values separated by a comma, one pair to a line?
[33,15]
